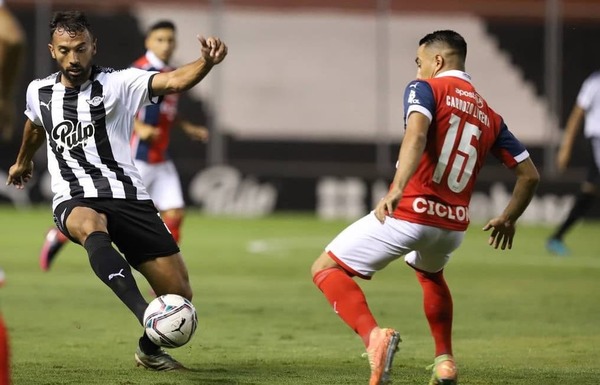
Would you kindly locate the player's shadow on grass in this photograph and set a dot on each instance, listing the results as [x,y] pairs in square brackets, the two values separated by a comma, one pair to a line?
[275,373]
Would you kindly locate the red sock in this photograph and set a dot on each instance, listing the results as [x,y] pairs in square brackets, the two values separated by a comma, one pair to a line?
[437,303]
[347,299]
[174,224]
[61,237]
[4,355]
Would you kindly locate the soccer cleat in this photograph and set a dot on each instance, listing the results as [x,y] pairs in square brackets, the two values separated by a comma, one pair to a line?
[382,347]
[161,361]
[557,247]
[55,240]
[444,371]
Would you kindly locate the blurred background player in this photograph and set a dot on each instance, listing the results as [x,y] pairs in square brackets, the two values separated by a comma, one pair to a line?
[150,142]
[587,107]
[449,131]
[12,42]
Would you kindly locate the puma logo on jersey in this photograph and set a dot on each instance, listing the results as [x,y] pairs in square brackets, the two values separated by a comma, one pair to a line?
[95,101]
[113,275]
[47,105]
[68,135]
[412,97]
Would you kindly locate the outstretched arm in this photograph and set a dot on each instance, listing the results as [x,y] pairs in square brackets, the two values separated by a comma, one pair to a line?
[20,173]
[409,157]
[213,51]
[571,131]
[504,225]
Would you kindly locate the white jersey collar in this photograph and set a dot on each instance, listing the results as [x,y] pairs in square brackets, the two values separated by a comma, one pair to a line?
[455,73]
[155,61]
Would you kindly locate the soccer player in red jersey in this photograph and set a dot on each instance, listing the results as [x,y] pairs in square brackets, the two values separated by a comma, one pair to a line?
[152,130]
[449,131]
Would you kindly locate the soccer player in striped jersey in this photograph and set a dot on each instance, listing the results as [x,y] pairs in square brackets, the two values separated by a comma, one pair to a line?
[84,114]
[150,143]
[449,131]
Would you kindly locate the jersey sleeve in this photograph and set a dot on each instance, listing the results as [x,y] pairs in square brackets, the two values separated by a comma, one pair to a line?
[588,89]
[135,89]
[418,97]
[32,105]
[508,149]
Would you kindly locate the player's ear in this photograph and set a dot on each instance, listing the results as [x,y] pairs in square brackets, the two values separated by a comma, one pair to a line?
[51,48]
[94,46]
[439,61]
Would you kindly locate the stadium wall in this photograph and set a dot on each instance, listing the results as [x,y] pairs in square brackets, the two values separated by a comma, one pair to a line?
[300,117]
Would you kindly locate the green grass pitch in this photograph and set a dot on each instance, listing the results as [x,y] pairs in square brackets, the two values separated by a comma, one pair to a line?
[521,317]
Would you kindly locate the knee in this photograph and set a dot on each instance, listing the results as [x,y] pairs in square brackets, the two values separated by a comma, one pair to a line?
[322,263]
[83,221]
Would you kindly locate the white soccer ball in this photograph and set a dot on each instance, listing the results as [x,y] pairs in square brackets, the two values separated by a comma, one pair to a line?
[170,320]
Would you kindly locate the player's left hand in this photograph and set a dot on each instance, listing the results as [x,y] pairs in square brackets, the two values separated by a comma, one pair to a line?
[502,234]
[213,50]
[387,204]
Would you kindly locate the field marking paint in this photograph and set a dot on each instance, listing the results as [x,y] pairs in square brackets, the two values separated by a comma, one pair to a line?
[283,246]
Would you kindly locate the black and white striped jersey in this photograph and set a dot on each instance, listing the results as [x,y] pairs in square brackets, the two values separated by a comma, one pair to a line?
[88,129]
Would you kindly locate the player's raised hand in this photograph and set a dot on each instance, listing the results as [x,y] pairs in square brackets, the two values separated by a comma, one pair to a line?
[213,49]
[387,204]
[18,175]
[503,232]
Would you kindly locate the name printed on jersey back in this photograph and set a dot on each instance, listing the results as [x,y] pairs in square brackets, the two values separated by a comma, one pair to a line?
[472,107]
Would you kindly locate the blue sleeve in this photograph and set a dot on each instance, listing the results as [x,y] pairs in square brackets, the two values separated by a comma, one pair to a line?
[508,149]
[418,97]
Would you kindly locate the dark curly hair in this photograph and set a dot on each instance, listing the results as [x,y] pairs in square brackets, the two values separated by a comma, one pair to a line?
[72,22]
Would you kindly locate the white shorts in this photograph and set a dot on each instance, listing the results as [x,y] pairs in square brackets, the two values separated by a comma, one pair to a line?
[367,246]
[162,182]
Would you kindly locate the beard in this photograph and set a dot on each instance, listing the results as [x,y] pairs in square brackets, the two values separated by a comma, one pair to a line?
[76,75]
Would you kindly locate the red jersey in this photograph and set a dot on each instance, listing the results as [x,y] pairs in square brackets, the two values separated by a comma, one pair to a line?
[161,115]
[463,130]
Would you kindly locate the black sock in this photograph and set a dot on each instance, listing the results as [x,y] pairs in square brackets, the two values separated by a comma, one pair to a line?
[582,204]
[115,272]
[147,345]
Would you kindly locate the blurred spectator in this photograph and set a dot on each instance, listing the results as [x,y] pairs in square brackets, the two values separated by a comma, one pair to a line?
[12,41]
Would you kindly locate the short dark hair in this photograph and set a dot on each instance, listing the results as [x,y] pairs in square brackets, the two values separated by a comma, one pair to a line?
[161,24]
[448,37]
[73,22]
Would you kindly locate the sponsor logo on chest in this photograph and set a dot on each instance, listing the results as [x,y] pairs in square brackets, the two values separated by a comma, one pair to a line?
[68,135]
[429,207]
